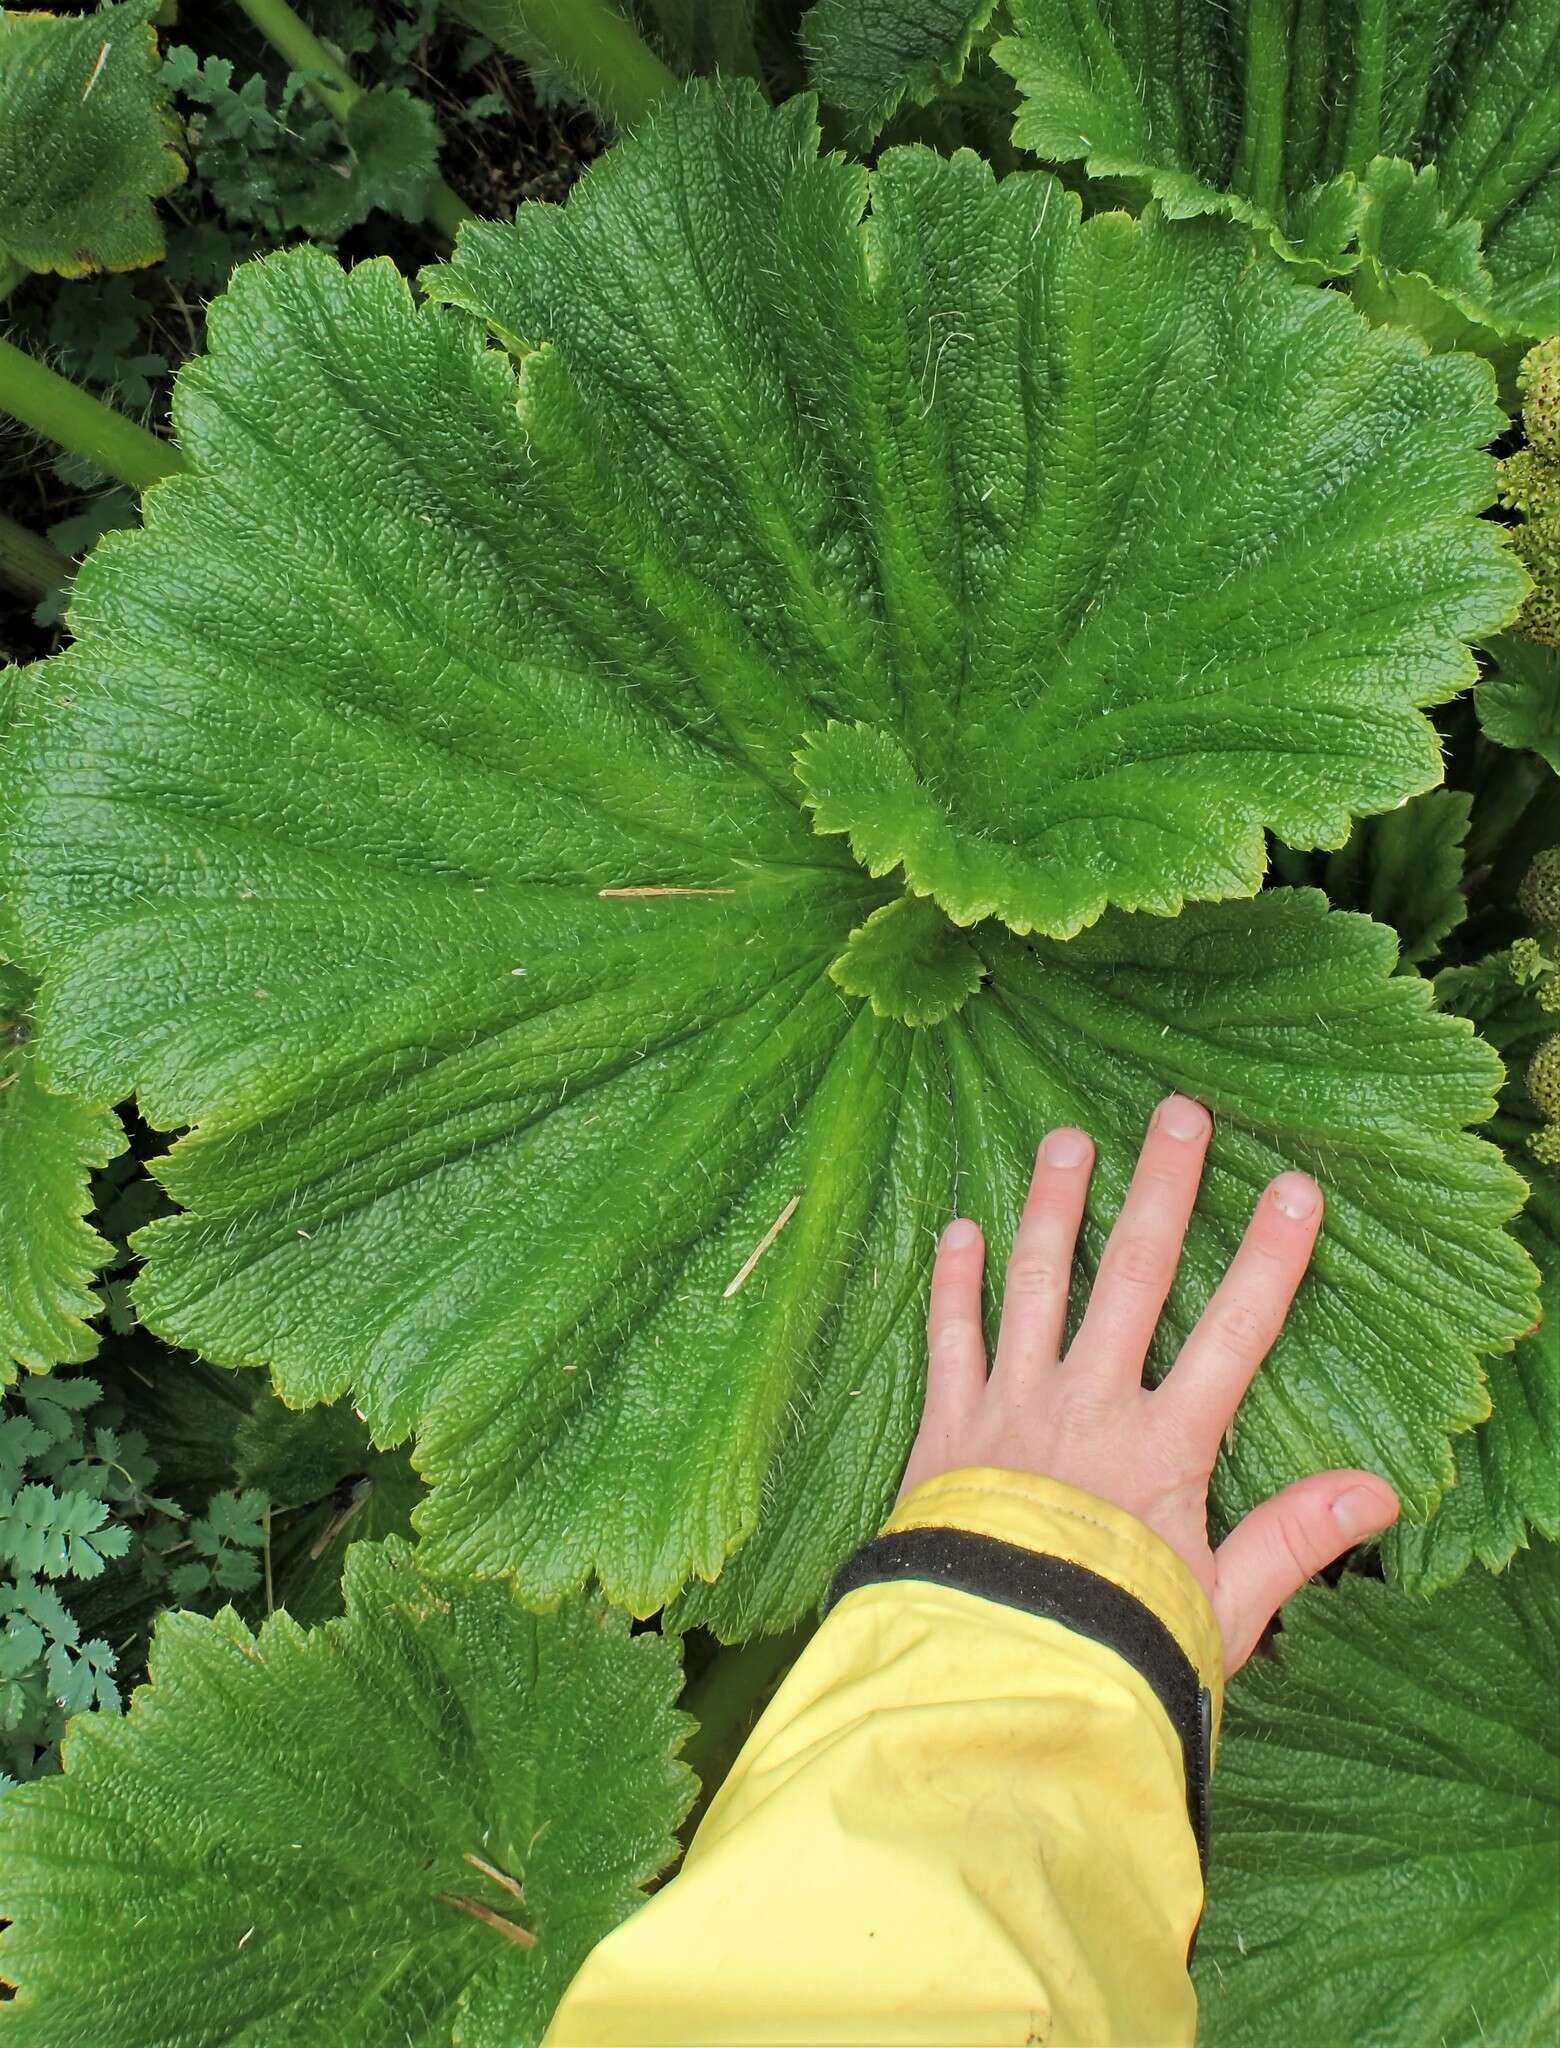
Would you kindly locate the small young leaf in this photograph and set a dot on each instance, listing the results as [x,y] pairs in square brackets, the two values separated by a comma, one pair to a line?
[1519,701]
[910,961]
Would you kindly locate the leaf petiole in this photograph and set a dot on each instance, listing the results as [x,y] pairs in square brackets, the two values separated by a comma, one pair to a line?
[600,49]
[72,418]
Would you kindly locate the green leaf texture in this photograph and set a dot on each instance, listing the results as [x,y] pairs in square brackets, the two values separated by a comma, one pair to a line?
[1386,1815]
[1508,1469]
[86,140]
[355,1878]
[49,1144]
[1519,701]
[1406,869]
[423,786]
[866,58]
[1289,115]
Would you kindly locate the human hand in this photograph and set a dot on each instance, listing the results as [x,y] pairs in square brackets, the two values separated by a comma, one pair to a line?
[1088,1420]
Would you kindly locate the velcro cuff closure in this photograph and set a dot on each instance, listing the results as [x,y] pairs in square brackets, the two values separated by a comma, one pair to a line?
[1060,1590]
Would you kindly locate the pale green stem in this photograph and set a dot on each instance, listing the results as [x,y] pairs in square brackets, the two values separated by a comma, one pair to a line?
[1362,140]
[73,419]
[1258,173]
[28,564]
[336,89]
[600,49]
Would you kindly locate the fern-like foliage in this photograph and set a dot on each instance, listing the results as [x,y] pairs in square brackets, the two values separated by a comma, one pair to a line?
[79,1501]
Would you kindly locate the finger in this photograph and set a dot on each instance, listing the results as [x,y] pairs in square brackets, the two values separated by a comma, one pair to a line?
[955,1343]
[1140,1255]
[1284,1542]
[1235,1332]
[1039,1274]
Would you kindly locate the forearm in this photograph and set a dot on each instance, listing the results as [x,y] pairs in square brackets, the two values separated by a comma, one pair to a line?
[958,1821]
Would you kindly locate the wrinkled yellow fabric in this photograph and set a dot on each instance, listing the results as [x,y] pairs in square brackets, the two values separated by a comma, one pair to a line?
[955,1823]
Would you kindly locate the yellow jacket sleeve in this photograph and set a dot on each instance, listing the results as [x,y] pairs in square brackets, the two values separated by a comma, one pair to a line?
[965,1815]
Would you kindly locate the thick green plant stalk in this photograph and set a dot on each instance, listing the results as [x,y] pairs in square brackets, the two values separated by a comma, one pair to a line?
[28,564]
[336,90]
[600,49]
[65,414]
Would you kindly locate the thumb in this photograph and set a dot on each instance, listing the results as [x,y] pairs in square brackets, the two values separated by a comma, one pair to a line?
[1286,1541]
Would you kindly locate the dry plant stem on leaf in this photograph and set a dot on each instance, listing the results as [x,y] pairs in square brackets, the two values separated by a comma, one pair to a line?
[1080,1413]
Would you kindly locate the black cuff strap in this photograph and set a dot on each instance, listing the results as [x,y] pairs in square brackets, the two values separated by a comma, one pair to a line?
[1060,1591]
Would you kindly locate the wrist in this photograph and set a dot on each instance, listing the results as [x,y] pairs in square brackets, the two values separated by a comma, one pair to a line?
[1053,1519]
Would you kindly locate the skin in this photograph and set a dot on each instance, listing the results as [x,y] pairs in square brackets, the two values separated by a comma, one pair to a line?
[1085,1417]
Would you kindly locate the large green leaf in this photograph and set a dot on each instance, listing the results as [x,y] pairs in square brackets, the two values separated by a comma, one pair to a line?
[1417,144]
[1386,1822]
[86,139]
[423,788]
[342,1837]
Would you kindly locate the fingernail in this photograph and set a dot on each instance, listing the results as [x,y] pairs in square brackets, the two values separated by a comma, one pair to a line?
[1180,1117]
[1065,1148]
[1361,1511]
[1297,1195]
[959,1235]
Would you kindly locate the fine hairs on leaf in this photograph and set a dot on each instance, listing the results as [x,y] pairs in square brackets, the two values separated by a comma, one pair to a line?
[1387,1785]
[443,1776]
[619,787]
[542,955]
[1415,150]
[87,141]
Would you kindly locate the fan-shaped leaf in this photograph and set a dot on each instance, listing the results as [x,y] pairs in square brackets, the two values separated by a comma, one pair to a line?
[453,1801]
[1386,1811]
[86,139]
[423,788]
[1288,118]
